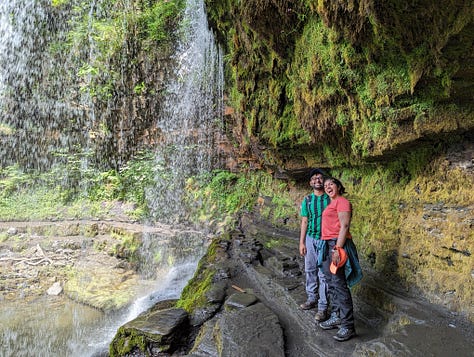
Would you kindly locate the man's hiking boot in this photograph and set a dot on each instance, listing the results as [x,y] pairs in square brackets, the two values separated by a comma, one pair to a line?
[344,334]
[308,305]
[321,315]
[333,322]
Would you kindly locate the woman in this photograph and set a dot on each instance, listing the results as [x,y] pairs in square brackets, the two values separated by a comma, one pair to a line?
[336,221]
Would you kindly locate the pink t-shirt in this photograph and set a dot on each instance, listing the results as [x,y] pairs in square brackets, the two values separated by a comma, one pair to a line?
[330,225]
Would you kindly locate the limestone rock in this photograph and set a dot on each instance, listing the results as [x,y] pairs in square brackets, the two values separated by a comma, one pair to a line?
[250,331]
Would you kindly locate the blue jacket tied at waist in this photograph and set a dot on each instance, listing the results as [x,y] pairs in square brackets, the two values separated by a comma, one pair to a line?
[352,268]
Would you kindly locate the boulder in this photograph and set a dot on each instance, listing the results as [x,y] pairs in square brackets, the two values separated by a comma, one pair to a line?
[248,331]
[151,333]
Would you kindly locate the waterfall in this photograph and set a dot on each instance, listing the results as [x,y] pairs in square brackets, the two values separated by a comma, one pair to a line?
[193,110]
[43,112]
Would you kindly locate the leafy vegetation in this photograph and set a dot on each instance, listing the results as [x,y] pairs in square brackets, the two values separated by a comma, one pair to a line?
[223,196]
[70,190]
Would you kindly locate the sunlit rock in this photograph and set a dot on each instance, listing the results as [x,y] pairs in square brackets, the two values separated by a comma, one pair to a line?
[95,283]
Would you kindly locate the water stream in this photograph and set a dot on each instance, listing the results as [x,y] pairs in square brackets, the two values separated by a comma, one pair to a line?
[57,326]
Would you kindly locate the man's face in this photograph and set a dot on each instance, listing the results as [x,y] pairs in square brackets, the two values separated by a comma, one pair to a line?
[316,182]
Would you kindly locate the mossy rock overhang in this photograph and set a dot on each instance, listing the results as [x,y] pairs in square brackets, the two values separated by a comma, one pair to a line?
[386,80]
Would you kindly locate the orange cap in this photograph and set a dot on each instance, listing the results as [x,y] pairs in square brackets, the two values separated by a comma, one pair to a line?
[342,260]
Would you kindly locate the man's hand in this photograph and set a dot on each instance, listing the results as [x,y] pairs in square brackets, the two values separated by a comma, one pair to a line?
[302,249]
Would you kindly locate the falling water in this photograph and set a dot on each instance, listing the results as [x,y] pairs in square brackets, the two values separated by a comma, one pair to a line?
[189,117]
[35,120]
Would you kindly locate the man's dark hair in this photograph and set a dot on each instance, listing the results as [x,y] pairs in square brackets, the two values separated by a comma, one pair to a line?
[317,171]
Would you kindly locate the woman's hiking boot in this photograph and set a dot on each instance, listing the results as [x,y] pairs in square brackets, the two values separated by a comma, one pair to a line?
[344,334]
[333,322]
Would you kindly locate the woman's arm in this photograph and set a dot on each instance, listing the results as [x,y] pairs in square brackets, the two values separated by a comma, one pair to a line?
[345,221]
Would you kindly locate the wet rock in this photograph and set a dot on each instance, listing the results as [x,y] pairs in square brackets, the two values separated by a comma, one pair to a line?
[249,331]
[202,314]
[382,347]
[109,288]
[205,344]
[285,266]
[252,331]
[151,333]
[216,294]
[241,300]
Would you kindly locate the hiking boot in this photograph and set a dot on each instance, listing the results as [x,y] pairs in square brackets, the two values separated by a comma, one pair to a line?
[333,322]
[308,305]
[321,316]
[344,334]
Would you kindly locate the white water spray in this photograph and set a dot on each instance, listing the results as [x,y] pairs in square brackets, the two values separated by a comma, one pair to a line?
[192,115]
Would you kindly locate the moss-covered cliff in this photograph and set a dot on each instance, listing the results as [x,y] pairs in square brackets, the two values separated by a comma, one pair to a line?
[381,93]
[359,78]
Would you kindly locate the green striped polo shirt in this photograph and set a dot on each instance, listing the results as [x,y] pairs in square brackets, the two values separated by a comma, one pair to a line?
[313,207]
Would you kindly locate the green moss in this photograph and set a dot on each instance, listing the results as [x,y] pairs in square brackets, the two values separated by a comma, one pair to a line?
[194,293]
[272,243]
[368,81]
[126,341]
[59,2]
[127,245]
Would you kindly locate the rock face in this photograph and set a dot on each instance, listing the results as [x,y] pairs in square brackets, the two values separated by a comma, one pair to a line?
[253,310]
[345,82]
[51,257]
[55,289]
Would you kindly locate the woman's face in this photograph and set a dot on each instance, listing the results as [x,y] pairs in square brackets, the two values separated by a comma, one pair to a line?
[331,188]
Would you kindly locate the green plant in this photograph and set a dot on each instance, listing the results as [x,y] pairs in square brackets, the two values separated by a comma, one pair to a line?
[75,190]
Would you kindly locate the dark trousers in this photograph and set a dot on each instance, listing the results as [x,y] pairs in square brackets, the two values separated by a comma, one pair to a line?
[339,294]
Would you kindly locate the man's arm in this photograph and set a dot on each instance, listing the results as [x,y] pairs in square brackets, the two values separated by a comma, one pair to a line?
[304,227]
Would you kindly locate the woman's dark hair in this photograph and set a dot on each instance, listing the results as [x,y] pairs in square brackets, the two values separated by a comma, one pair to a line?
[338,183]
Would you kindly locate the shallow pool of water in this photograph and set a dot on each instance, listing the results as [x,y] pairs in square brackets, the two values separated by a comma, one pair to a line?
[57,326]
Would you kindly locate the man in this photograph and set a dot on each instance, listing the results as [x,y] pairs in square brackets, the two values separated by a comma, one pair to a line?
[310,242]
